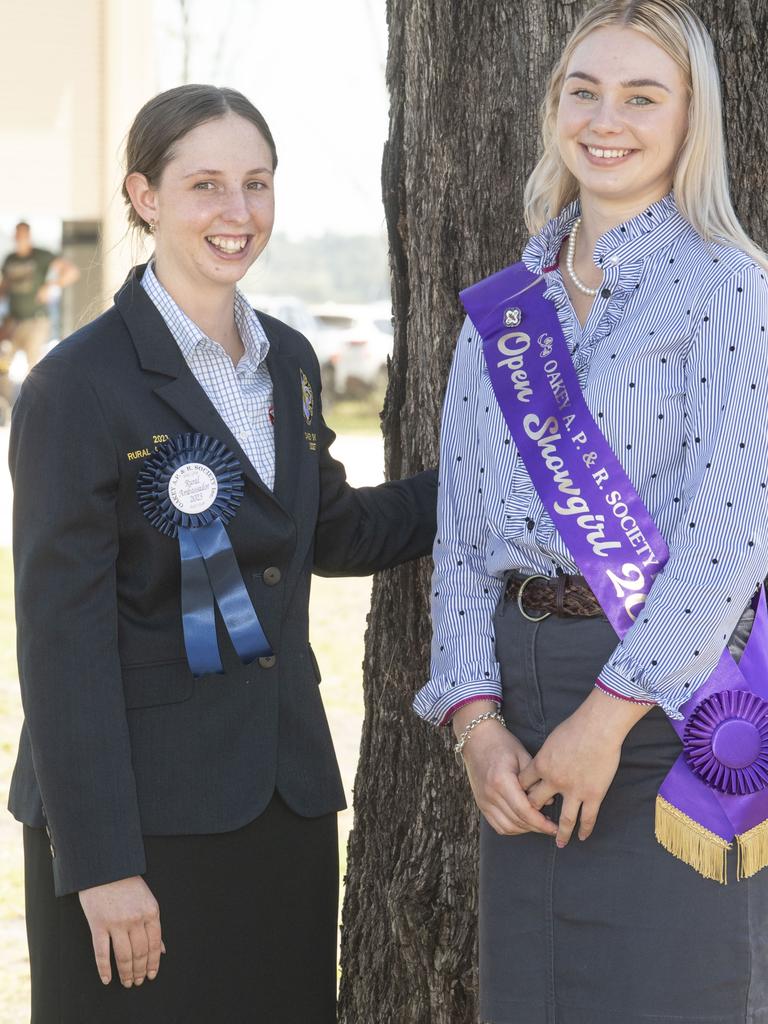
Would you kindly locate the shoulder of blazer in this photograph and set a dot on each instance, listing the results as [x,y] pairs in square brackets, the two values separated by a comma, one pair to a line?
[89,339]
[77,374]
[129,334]
[98,349]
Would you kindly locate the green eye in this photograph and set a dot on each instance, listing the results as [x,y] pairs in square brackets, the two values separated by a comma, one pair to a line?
[641,101]
[583,94]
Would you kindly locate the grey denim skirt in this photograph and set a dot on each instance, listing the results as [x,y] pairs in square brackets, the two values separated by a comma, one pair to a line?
[613,930]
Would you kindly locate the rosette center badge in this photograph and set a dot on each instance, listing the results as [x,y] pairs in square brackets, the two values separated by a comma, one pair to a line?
[193,488]
[189,490]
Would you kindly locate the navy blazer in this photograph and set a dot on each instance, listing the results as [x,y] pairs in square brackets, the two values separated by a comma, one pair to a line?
[119,739]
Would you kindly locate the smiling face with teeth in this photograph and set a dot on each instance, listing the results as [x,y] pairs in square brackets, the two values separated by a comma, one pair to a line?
[622,120]
[213,205]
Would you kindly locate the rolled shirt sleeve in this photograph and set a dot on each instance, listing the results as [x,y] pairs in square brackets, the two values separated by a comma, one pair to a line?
[719,550]
[464,595]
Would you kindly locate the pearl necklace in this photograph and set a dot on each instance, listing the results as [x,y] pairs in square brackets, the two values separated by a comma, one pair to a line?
[569,261]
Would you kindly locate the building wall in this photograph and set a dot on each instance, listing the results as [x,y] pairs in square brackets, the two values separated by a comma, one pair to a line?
[129,80]
[50,80]
[72,77]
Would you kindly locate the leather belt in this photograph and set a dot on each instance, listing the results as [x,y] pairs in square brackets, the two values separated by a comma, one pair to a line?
[559,595]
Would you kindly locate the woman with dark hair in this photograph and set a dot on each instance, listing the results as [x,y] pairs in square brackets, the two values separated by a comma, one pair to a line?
[174,491]
[592,598]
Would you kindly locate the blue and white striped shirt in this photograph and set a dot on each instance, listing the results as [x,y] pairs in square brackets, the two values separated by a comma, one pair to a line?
[673,362]
[242,394]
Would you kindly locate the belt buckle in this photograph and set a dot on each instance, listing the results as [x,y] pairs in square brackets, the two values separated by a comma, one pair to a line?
[523,612]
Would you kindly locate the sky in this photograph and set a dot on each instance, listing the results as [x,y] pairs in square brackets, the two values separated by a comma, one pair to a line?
[316,71]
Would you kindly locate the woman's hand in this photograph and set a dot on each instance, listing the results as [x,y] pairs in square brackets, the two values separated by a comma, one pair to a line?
[126,913]
[579,760]
[494,759]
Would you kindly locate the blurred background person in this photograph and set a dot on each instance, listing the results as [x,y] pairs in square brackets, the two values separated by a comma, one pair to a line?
[32,279]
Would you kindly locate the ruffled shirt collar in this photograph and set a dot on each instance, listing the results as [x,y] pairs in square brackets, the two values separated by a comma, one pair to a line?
[614,247]
[620,253]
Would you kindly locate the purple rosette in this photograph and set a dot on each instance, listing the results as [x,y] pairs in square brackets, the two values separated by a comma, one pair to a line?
[725,742]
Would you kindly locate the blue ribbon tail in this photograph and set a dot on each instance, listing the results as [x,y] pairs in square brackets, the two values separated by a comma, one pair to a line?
[226,582]
[197,614]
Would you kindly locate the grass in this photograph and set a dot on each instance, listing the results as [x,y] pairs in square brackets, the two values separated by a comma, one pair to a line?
[345,416]
[338,611]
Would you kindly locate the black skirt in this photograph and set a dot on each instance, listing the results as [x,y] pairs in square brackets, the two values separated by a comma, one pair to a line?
[249,921]
[613,930]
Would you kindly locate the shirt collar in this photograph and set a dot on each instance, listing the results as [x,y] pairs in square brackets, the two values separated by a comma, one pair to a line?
[625,243]
[188,335]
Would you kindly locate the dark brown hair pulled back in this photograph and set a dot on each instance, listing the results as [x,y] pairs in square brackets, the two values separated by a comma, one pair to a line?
[168,117]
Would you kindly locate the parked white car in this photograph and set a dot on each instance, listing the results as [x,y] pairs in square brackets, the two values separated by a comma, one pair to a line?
[361,337]
[295,312]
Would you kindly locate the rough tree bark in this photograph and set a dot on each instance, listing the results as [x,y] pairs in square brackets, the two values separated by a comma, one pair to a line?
[466,78]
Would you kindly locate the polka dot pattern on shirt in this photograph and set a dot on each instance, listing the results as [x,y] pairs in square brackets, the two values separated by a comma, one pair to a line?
[685,409]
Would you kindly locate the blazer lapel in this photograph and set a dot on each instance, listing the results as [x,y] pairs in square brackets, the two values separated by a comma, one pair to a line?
[289,421]
[159,354]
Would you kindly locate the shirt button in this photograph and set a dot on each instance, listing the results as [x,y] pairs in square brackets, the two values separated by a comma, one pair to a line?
[269,662]
[605,293]
[530,523]
[272,576]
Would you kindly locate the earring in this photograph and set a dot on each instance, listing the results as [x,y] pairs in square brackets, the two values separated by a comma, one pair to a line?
[152,226]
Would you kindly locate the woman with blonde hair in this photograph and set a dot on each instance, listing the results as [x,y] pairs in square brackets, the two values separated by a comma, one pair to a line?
[604,472]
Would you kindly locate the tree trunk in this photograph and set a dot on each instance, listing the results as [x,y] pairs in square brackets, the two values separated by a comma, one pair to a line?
[466,79]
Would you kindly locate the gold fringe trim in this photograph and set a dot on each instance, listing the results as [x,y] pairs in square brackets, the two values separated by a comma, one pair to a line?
[690,842]
[753,850]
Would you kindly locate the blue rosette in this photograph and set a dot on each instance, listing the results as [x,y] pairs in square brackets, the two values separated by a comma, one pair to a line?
[190,489]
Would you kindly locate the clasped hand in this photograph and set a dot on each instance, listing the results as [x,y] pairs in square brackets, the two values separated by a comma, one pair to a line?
[578,761]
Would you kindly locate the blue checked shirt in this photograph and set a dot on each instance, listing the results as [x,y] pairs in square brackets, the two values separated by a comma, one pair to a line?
[242,394]
[673,363]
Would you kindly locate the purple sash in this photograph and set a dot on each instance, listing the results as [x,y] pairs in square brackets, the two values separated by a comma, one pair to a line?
[717,790]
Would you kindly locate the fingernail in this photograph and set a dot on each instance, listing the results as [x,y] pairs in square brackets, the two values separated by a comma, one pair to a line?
[127,984]
[104,979]
[140,981]
[151,975]
[560,844]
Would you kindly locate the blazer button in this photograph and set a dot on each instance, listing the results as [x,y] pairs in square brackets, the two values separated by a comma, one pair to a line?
[271,576]
[268,662]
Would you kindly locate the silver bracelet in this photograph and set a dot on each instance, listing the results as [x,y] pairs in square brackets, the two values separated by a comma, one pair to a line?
[461,743]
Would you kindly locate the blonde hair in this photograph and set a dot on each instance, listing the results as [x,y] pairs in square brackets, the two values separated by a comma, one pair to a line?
[701,176]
